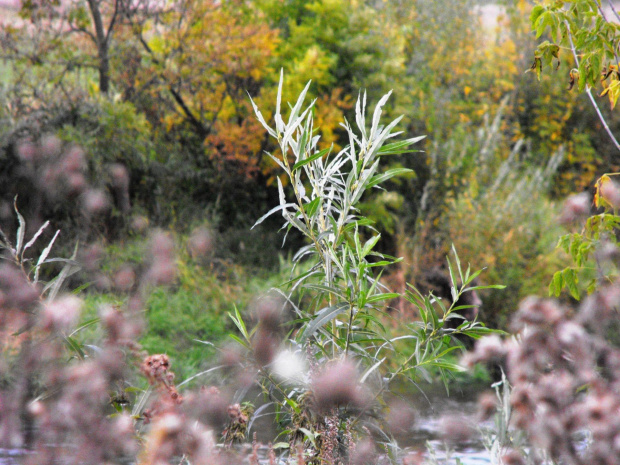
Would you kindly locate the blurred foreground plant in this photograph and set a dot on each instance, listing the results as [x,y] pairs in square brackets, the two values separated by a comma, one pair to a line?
[564,364]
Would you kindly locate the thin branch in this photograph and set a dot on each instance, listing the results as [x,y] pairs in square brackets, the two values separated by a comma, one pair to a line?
[112,21]
[81,30]
[589,91]
[613,8]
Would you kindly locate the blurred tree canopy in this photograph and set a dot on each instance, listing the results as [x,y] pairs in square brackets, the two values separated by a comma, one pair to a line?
[161,87]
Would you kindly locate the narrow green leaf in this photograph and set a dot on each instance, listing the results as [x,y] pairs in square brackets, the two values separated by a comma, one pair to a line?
[35,237]
[21,230]
[322,317]
[487,286]
[310,159]
[85,325]
[399,147]
[371,369]
[381,297]
[75,347]
[379,178]
[239,340]
[43,256]
[272,211]
[458,263]
[239,323]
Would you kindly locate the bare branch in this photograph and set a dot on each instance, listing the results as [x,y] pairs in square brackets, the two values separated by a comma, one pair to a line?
[81,30]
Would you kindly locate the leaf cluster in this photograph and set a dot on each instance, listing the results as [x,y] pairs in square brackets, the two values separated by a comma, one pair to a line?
[583,29]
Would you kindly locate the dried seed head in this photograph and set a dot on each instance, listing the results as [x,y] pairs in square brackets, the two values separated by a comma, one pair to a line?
[50,145]
[230,357]
[119,175]
[155,368]
[455,429]
[162,245]
[73,161]
[265,346]
[536,311]
[268,312]
[125,278]
[487,349]
[576,207]
[337,385]
[27,151]
[61,314]
[209,406]
[487,405]
[139,224]
[236,414]
[95,201]
[610,192]
[400,418]
[91,256]
[200,243]
[18,292]
[364,453]
[163,267]
[76,183]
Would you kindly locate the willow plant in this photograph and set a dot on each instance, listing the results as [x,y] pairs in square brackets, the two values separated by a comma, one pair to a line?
[327,187]
[342,269]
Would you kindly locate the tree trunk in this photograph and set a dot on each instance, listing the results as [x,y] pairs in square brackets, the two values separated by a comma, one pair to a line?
[102,47]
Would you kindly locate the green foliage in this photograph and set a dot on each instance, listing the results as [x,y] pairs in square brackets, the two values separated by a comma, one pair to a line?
[490,200]
[583,28]
[111,132]
[592,248]
[188,320]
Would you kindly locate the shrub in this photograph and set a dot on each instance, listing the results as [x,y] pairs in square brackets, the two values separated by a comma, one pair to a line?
[491,200]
